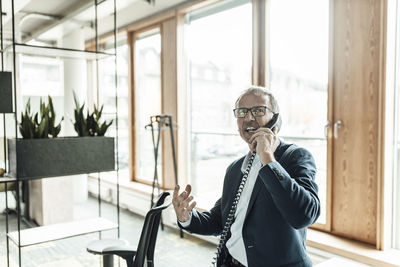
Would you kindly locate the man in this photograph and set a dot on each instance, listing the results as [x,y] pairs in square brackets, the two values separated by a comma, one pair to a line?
[278,201]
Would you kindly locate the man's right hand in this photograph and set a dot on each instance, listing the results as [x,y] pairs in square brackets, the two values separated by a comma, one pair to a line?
[181,203]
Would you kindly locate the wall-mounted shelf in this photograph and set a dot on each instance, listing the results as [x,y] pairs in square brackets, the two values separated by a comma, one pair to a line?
[48,51]
[42,234]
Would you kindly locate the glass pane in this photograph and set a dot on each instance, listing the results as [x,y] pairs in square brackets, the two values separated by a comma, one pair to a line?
[299,76]
[41,77]
[148,101]
[396,137]
[107,98]
[219,52]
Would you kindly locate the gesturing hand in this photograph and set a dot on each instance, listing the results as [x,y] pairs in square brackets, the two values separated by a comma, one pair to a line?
[181,203]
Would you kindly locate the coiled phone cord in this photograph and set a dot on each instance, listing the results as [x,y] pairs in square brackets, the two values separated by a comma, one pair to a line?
[231,215]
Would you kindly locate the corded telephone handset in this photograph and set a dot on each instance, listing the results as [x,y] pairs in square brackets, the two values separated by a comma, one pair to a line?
[231,216]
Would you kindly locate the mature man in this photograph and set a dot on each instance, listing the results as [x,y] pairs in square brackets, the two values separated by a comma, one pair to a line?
[270,192]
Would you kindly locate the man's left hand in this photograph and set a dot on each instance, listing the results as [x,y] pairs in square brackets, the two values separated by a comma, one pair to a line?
[264,142]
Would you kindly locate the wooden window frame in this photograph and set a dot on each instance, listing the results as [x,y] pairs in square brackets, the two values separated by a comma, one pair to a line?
[132,38]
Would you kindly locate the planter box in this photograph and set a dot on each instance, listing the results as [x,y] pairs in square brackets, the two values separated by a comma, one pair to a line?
[6,92]
[61,156]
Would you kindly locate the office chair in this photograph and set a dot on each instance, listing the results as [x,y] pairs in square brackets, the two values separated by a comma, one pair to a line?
[145,249]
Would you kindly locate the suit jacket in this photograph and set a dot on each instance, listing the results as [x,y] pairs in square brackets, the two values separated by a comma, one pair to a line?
[284,202]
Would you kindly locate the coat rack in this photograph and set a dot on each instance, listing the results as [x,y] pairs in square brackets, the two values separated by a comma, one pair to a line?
[157,124]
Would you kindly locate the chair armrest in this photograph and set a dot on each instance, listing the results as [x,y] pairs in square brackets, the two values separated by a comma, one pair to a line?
[122,251]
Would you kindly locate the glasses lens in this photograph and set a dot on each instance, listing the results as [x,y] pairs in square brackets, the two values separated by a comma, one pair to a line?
[258,111]
[240,112]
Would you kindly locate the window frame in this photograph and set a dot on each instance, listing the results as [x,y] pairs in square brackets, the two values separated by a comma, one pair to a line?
[134,169]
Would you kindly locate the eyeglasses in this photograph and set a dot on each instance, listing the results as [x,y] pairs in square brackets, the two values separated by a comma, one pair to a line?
[258,111]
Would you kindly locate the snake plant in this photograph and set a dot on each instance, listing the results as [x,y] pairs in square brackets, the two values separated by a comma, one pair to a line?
[30,126]
[89,125]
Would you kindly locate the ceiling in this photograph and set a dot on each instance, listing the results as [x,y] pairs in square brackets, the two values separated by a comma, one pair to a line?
[48,21]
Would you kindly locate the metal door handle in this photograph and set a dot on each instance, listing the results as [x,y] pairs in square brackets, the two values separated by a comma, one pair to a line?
[337,126]
[326,128]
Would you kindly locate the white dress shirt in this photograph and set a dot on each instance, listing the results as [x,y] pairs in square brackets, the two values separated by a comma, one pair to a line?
[235,243]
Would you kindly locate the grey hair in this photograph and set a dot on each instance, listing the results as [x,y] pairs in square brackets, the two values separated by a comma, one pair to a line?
[262,91]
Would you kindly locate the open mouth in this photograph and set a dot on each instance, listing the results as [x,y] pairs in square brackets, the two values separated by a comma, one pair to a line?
[250,129]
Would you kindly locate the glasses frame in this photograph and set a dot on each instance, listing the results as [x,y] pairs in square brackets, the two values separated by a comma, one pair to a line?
[250,109]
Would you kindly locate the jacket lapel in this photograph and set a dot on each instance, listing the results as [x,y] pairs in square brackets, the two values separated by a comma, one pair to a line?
[235,176]
[259,184]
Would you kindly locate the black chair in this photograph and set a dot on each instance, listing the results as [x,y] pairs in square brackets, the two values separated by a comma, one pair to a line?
[147,242]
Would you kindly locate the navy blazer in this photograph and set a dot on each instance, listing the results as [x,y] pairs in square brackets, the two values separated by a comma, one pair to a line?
[284,202]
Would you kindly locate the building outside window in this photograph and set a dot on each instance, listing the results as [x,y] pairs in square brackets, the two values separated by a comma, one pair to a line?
[107,98]
[147,102]
[219,49]
[298,76]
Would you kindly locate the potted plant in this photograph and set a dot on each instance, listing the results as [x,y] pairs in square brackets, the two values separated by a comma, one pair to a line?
[41,153]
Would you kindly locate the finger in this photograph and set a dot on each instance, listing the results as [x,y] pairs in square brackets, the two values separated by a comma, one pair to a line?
[182,196]
[253,146]
[188,189]
[189,209]
[176,190]
[186,202]
[264,129]
[185,194]
[254,136]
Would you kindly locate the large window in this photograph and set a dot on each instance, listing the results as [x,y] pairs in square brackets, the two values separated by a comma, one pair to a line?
[40,77]
[147,101]
[298,64]
[107,98]
[219,48]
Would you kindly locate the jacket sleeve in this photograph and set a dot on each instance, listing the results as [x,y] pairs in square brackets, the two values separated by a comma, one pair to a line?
[293,189]
[209,222]
[206,223]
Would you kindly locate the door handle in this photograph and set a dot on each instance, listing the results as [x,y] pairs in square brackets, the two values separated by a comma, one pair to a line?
[326,128]
[338,124]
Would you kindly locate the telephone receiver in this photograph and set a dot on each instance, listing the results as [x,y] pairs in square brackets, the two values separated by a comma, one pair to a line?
[272,123]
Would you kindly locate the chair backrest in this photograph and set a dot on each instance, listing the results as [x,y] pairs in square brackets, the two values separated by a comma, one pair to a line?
[148,236]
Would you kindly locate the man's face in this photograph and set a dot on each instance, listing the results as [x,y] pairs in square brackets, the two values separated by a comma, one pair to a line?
[250,122]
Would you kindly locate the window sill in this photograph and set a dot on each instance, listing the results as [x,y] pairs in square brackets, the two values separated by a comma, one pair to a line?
[352,249]
[124,181]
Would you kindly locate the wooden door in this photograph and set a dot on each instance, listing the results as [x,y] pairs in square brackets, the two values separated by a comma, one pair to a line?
[356,84]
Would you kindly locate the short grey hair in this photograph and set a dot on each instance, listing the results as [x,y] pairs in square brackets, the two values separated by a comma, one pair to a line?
[262,91]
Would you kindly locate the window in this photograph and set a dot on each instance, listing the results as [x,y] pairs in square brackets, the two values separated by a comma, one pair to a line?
[219,48]
[107,95]
[40,77]
[298,71]
[147,101]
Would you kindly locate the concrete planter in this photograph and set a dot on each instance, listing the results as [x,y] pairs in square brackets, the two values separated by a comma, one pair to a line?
[6,92]
[61,156]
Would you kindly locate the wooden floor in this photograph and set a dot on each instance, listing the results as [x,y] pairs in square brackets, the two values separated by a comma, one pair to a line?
[171,250]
